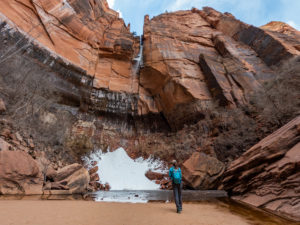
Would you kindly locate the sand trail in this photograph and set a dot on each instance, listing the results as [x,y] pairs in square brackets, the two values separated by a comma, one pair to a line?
[95,213]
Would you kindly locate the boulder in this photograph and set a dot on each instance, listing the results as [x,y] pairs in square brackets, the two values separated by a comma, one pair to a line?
[19,174]
[267,175]
[2,106]
[67,171]
[202,172]
[75,176]
[154,175]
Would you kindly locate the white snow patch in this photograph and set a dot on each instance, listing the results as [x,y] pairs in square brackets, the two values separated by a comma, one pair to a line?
[124,173]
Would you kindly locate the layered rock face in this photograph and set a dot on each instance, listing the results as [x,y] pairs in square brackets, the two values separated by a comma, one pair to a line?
[72,81]
[267,175]
[84,42]
[193,59]
[84,33]
[268,42]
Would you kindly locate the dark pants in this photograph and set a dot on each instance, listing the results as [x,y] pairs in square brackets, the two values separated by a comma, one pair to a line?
[177,195]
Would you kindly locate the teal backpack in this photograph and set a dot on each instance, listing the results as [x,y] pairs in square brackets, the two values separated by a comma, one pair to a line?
[177,176]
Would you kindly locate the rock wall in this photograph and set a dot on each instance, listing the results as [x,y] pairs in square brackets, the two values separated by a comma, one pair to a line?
[267,175]
[68,64]
[194,59]
[85,35]
[74,79]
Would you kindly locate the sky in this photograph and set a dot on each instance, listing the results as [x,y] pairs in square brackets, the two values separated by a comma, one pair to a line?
[255,12]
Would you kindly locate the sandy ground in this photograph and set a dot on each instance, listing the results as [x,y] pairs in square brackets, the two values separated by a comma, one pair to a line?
[93,213]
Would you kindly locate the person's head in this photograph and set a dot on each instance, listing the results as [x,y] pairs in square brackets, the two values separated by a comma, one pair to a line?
[174,162]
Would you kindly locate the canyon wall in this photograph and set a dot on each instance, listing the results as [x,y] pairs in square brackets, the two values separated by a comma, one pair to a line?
[193,59]
[202,87]
[267,175]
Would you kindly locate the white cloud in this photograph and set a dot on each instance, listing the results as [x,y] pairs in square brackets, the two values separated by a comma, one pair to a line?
[181,4]
[111,3]
[240,9]
[120,13]
[293,24]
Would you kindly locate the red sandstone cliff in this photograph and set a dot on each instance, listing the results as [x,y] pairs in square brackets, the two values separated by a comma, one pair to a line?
[195,58]
[85,33]
[207,89]
[267,175]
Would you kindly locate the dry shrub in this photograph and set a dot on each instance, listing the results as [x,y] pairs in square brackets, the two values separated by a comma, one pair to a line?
[280,101]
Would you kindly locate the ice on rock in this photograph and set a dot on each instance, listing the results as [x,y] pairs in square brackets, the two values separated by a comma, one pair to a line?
[124,173]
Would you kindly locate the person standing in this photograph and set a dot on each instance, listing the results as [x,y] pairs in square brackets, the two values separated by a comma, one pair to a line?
[176,177]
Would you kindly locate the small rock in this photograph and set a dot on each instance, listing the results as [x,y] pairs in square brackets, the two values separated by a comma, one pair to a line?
[94,163]
[2,106]
[95,185]
[55,166]
[95,177]
[47,186]
[5,133]
[93,170]
[107,187]
[90,189]
[164,181]
[13,137]
[30,143]
[19,137]
[4,146]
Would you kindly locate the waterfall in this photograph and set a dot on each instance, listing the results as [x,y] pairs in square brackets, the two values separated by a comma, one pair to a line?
[138,61]
[124,173]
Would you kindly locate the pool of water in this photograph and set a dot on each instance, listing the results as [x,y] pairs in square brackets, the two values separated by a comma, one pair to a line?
[154,195]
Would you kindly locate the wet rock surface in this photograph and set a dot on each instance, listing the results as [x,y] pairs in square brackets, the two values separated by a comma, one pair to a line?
[267,175]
